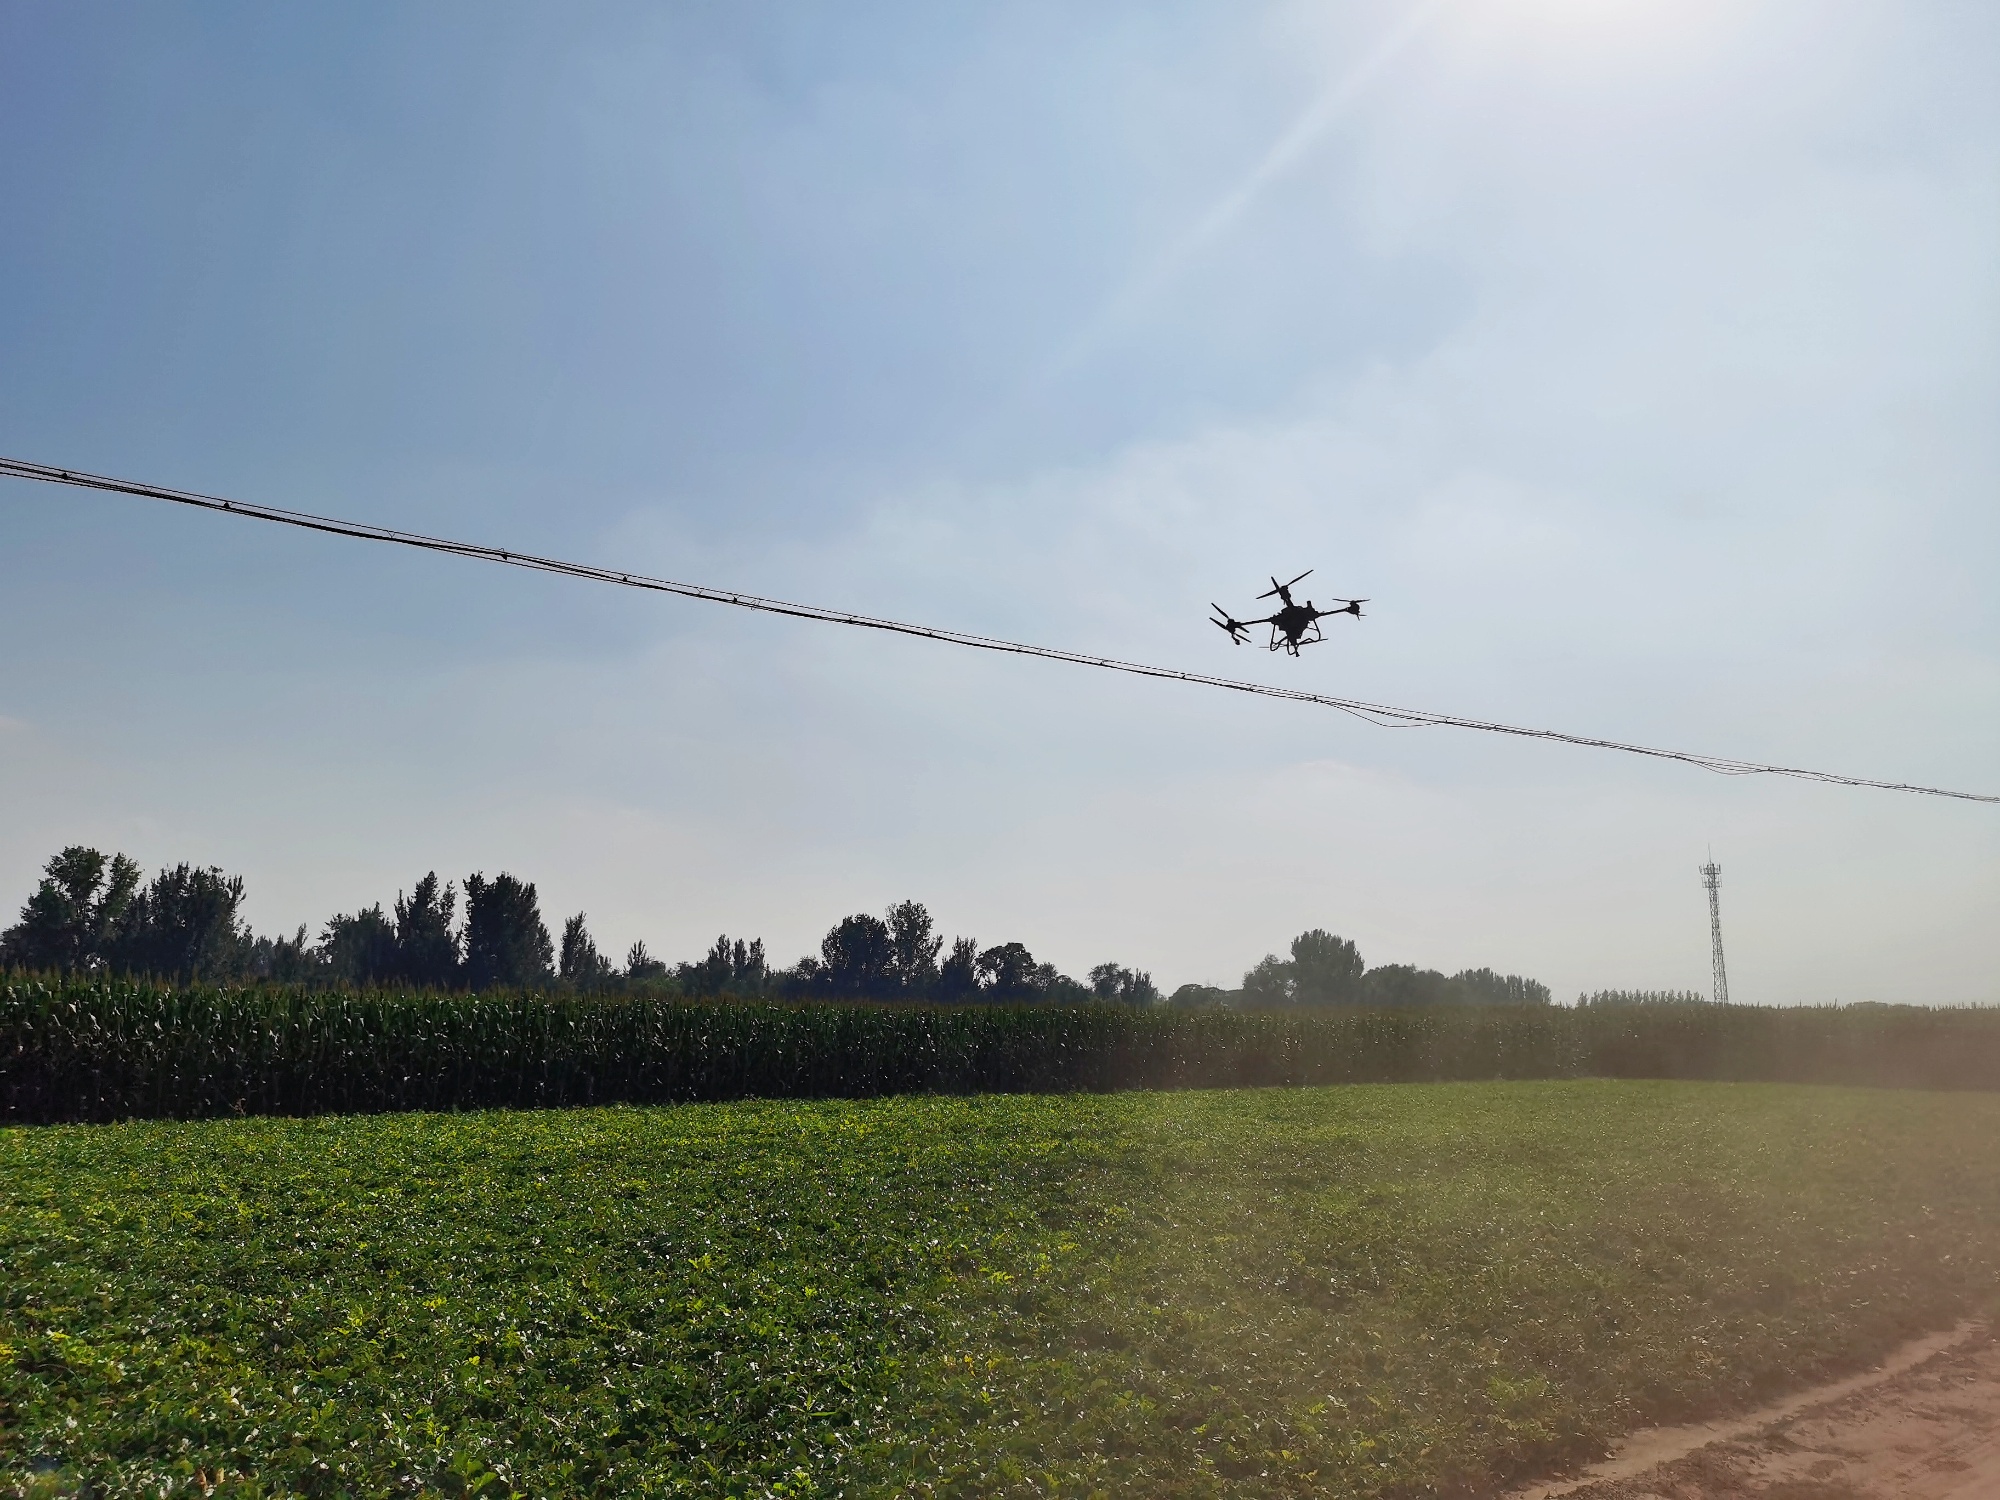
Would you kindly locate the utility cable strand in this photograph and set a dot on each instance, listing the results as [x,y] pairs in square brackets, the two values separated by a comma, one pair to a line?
[1379,714]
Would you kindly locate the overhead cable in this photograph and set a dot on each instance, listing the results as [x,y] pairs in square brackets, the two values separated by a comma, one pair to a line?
[1375,713]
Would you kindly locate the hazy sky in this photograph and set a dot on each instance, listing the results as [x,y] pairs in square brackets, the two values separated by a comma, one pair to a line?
[1640,359]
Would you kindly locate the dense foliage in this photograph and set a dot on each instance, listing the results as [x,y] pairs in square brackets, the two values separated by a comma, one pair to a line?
[90,915]
[1641,997]
[119,1049]
[1328,970]
[1198,1296]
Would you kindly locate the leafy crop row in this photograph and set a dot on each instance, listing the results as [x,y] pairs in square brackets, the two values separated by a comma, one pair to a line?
[106,1050]
[1381,1294]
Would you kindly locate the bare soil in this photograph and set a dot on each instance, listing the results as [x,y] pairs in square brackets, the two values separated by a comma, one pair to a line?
[1926,1426]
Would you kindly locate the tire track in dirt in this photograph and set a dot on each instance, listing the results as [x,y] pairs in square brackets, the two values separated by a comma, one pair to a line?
[1923,1426]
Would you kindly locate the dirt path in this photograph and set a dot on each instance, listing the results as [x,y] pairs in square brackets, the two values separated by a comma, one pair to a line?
[1925,1426]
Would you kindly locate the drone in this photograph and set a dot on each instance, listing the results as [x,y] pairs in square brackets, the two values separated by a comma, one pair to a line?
[1291,624]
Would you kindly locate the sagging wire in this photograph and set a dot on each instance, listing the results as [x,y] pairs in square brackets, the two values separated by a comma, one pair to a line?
[1379,714]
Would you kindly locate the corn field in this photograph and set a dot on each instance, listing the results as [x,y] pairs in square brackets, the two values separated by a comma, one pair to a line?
[109,1050]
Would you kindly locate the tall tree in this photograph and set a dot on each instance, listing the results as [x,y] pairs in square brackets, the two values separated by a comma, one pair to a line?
[730,968]
[1395,985]
[1269,984]
[749,974]
[958,975]
[1326,970]
[641,965]
[1007,973]
[505,941]
[858,959]
[75,913]
[1323,970]
[913,949]
[426,947]
[1051,984]
[1116,982]
[183,925]
[581,964]
[361,949]
[1484,987]
[287,960]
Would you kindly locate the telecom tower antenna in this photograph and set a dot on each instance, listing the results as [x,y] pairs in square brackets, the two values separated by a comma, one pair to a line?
[1711,877]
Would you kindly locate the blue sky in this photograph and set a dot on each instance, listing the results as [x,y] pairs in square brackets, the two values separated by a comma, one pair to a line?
[1638,359]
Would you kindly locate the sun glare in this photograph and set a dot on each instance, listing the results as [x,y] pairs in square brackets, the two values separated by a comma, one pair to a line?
[1594,25]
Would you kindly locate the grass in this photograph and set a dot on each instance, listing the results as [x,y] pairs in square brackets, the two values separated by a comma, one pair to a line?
[76,1050]
[1406,1290]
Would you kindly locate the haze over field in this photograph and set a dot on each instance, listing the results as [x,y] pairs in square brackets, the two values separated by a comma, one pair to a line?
[1638,360]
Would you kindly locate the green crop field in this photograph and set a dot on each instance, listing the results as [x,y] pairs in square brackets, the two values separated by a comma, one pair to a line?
[1393,1290]
[79,1049]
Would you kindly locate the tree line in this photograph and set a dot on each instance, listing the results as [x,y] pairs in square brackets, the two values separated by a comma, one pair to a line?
[1328,970]
[1641,997]
[92,913]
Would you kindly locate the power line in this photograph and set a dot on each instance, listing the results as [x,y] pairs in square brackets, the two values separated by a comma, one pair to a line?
[1380,714]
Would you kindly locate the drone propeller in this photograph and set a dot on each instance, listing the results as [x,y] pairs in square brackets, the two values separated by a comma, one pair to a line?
[1236,628]
[1352,607]
[1283,589]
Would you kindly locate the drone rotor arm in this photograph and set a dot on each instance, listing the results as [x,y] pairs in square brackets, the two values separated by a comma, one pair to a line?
[1284,590]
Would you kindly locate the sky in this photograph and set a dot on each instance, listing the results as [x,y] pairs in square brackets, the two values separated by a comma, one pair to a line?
[1637,359]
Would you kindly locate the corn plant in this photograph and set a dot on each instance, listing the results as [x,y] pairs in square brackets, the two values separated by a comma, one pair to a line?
[120,1049]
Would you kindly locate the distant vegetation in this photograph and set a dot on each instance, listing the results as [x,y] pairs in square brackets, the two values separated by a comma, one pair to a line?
[96,1049]
[1642,997]
[1327,970]
[91,915]
[140,998]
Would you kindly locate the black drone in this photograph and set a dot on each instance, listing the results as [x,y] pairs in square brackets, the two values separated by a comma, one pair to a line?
[1291,624]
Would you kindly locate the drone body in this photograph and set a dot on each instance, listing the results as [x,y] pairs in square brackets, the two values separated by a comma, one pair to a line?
[1294,625]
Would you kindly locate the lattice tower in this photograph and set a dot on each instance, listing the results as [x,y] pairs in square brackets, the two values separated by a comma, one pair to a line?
[1711,877]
